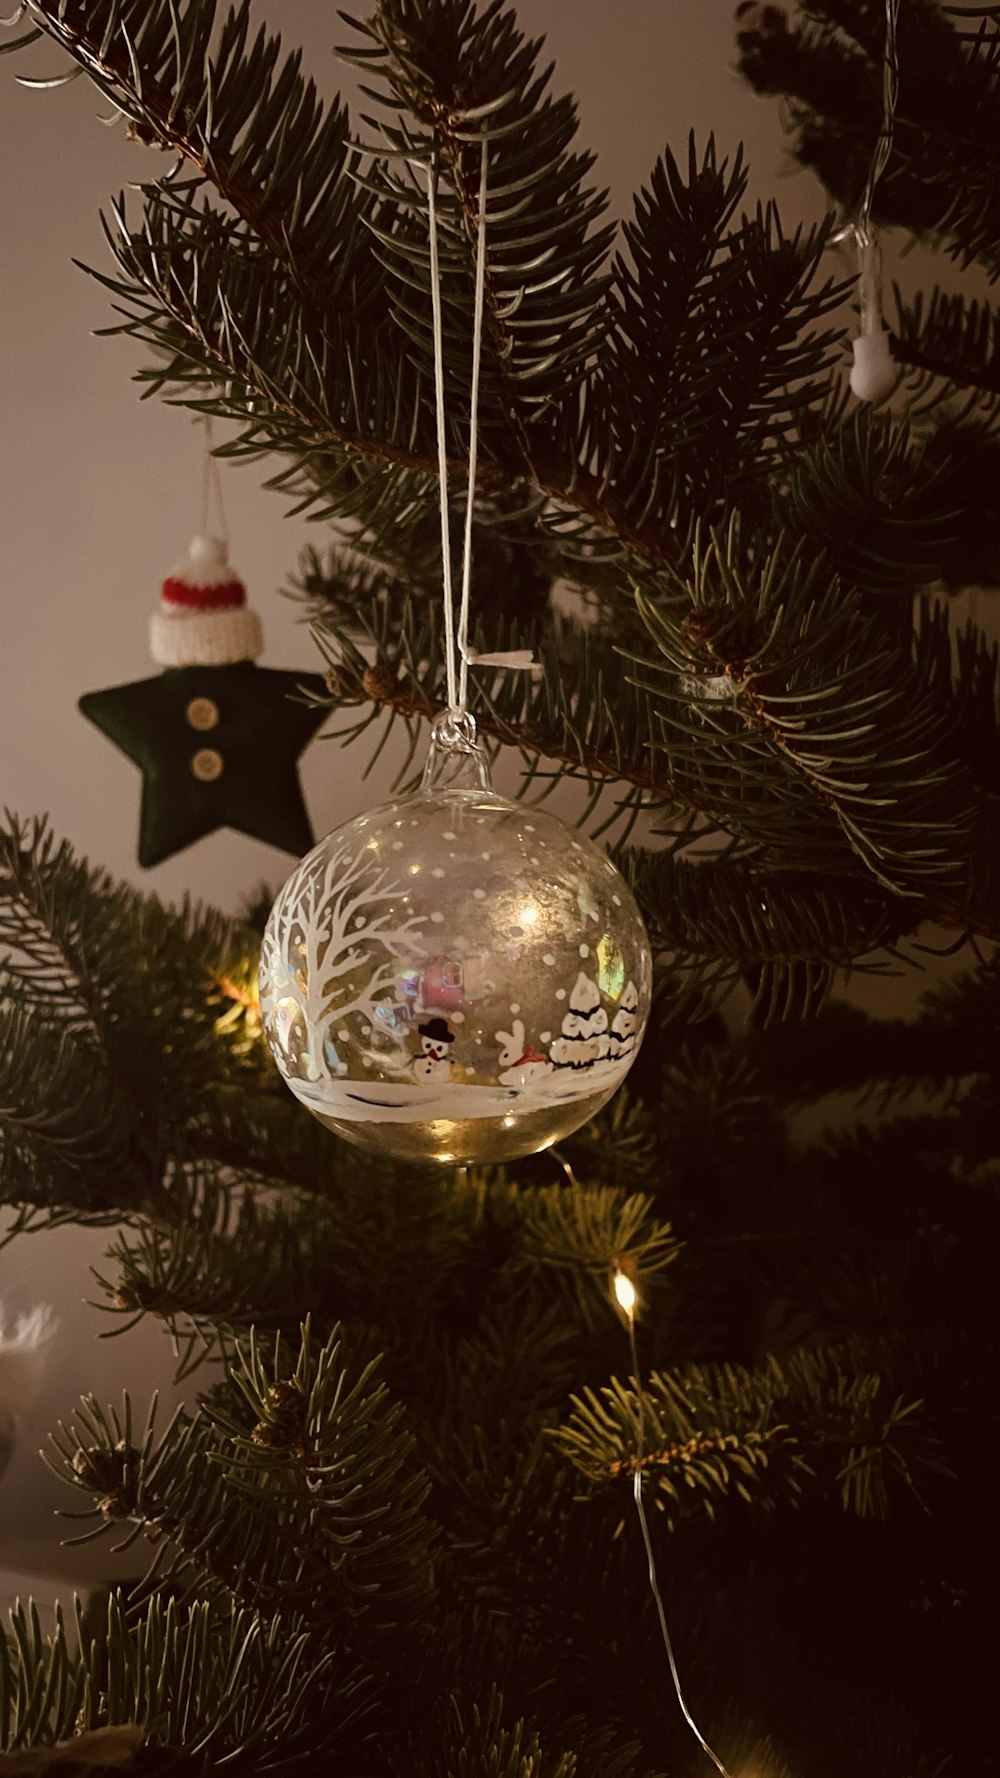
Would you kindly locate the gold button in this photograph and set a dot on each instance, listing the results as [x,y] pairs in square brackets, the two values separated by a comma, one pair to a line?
[206,764]
[202,713]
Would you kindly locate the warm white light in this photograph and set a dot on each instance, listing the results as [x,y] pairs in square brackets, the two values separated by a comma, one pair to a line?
[509,1122]
[529,916]
[626,1294]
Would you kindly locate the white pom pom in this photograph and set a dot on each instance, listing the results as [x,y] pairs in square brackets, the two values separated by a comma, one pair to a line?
[875,372]
[207,552]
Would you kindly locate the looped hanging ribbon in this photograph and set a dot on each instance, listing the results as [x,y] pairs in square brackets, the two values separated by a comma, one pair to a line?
[459,657]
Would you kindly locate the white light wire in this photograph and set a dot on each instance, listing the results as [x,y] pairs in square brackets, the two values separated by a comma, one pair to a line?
[457,675]
[883,146]
[866,237]
[654,1585]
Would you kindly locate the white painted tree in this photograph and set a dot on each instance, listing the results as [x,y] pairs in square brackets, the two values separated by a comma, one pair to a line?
[584,1038]
[328,948]
[624,1022]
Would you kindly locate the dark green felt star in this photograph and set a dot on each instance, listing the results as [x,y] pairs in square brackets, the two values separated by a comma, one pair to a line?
[217,747]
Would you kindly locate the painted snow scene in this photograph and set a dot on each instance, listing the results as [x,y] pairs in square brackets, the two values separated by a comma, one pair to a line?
[455,978]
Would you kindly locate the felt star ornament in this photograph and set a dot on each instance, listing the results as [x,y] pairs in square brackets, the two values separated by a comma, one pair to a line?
[216,737]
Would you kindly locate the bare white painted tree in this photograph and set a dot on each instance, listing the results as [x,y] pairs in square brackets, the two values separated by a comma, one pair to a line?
[324,929]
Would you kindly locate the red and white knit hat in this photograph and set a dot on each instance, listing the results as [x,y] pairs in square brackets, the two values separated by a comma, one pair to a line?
[204,619]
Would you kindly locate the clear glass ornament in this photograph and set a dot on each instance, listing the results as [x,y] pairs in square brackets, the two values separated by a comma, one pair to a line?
[454,977]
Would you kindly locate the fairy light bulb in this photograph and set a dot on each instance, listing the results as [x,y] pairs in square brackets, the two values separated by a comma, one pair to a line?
[626,1294]
[874,373]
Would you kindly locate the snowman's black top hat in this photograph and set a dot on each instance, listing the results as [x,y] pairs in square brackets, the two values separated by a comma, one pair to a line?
[437,1030]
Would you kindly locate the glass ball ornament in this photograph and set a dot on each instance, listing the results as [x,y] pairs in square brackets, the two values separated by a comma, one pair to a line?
[453,977]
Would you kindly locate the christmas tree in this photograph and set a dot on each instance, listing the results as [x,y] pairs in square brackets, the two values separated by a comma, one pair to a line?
[393,1532]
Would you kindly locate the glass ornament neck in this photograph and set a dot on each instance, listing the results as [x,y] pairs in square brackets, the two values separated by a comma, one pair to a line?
[455,760]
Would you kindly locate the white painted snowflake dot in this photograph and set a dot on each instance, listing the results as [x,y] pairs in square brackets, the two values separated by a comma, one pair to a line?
[368,1061]
[366,1030]
[343,1034]
[469,1070]
[576,845]
[515,1006]
[534,859]
[548,958]
[397,845]
[617,900]
[585,950]
[545,1036]
[457,1018]
[438,872]
[528,827]
[486,855]
[360,920]
[560,993]
[450,836]
[479,894]
[437,919]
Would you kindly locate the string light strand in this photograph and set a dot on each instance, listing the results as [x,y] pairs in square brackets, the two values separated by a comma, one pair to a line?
[874,373]
[627,1299]
[890,95]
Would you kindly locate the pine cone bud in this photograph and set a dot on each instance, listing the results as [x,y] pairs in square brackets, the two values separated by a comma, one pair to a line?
[378,683]
[284,1428]
[703,625]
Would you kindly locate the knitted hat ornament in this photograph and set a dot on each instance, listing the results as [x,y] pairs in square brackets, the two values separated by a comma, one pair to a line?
[204,619]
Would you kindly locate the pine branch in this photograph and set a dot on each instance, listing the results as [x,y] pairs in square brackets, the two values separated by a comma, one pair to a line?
[184,86]
[264,1494]
[205,1686]
[952,337]
[942,179]
[711,1432]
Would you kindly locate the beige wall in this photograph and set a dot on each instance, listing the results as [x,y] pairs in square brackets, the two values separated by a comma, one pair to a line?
[100,497]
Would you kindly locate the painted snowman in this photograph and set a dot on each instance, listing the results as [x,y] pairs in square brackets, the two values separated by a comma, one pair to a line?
[433,1064]
[520,1064]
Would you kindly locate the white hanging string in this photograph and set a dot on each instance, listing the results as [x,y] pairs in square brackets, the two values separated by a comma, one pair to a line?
[211,488]
[458,655]
[626,1295]
[442,446]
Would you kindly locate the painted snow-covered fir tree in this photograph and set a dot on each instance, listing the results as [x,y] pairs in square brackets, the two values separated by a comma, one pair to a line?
[622,1036]
[584,1039]
[392,1535]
